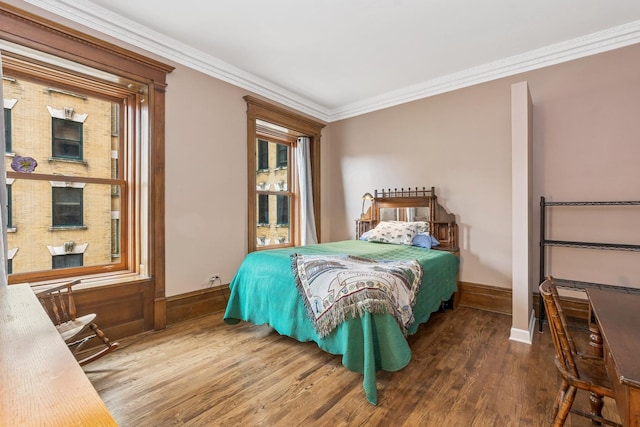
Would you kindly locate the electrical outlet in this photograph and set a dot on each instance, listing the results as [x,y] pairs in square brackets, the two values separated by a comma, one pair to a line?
[213,279]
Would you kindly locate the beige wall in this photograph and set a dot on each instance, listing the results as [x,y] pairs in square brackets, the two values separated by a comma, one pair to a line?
[586,130]
[206,180]
[459,142]
[587,147]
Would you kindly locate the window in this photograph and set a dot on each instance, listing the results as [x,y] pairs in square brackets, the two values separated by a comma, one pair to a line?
[274,144]
[66,138]
[263,209]
[9,220]
[67,261]
[77,188]
[68,63]
[59,107]
[7,129]
[67,207]
[115,237]
[272,134]
[283,210]
[282,156]
[263,155]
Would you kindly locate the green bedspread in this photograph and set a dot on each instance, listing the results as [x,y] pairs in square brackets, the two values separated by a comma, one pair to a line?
[264,291]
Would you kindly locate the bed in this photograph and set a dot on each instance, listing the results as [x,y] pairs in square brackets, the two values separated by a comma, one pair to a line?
[266,288]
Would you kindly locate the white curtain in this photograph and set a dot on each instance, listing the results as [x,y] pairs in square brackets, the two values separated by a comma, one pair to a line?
[3,195]
[307,218]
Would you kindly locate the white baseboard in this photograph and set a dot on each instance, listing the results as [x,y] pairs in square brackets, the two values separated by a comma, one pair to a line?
[522,335]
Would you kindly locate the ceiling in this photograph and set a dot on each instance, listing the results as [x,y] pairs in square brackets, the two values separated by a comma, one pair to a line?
[334,59]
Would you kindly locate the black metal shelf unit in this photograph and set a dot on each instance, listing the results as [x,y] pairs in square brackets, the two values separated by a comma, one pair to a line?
[575,284]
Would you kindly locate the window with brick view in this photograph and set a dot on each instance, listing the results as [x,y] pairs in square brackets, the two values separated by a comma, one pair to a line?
[122,186]
[74,193]
[73,215]
[272,134]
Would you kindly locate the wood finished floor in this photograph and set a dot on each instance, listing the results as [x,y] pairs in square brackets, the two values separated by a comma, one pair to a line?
[464,372]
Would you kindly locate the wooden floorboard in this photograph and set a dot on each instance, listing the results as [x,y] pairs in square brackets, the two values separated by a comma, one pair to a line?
[201,372]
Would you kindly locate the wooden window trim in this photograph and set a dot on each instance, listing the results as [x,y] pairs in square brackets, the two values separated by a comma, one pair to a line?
[258,109]
[29,30]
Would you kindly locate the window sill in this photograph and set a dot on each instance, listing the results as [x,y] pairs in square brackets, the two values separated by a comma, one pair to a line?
[64,160]
[99,280]
[67,227]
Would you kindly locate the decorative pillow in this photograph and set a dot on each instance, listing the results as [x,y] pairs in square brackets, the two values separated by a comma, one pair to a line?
[421,226]
[400,233]
[424,240]
[365,235]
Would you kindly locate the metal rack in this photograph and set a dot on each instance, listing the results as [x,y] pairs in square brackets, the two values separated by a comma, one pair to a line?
[575,284]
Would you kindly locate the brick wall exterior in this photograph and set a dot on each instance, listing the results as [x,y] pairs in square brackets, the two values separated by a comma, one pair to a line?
[31,135]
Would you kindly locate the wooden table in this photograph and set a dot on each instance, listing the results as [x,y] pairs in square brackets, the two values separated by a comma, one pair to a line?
[41,383]
[618,319]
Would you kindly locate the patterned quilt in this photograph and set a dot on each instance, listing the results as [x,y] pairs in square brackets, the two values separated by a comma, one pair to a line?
[339,287]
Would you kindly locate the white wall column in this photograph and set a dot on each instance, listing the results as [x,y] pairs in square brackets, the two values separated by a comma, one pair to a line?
[523,315]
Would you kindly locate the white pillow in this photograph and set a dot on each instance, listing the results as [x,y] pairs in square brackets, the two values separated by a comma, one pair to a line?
[400,233]
[421,226]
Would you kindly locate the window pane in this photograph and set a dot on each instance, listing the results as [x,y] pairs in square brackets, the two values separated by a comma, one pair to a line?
[52,141]
[272,160]
[272,178]
[281,231]
[263,230]
[67,139]
[283,210]
[9,215]
[67,207]
[7,130]
[68,149]
[263,209]
[88,217]
[282,156]
[272,227]
[263,155]
[65,261]
[59,224]
[67,129]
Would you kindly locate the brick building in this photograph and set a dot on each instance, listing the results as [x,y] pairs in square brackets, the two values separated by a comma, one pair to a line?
[55,223]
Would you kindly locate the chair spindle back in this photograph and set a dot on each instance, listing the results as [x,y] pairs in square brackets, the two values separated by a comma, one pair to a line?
[564,344]
[53,301]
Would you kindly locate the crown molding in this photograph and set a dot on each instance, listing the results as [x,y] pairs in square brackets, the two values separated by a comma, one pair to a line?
[602,41]
[97,18]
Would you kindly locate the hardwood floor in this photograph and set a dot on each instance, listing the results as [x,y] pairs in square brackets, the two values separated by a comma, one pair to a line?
[464,372]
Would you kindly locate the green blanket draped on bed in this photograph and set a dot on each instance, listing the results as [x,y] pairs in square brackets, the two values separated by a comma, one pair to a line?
[264,291]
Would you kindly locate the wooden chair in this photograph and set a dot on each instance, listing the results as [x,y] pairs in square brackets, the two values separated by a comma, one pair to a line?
[59,304]
[578,371]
